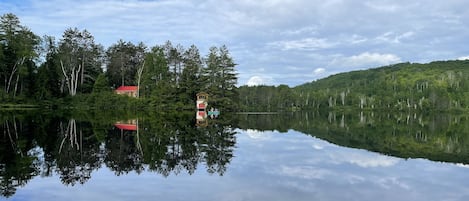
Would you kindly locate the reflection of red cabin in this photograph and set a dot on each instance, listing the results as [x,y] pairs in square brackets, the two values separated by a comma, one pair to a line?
[129,125]
[127,90]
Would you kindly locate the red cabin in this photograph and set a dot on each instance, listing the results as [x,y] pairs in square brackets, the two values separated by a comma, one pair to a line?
[131,91]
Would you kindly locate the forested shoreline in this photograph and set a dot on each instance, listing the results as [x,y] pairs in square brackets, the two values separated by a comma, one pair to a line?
[77,72]
[436,86]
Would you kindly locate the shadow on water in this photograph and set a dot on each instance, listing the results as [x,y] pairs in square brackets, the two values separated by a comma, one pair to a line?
[72,146]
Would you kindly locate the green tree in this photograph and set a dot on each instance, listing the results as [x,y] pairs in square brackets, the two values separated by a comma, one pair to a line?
[49,82]
[123,60]
[190,83]
[101,84]
[156,77]
[220,78]
[80,60]
[19,49]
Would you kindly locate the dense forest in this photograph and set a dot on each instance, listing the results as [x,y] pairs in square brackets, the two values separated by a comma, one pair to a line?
[76,71]
[436,86]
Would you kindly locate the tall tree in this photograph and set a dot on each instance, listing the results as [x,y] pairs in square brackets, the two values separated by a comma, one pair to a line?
[190,82]
[123,60]
[156,73]
[19,46]
[228,73]
[49,73]
[220,77]
[174,58]
[79,59]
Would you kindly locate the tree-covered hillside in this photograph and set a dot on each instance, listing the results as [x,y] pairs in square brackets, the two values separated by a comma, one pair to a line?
[441,85]
[436,86]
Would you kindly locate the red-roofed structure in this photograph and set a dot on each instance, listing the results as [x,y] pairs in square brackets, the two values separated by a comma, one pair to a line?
[126,127]
[131,91]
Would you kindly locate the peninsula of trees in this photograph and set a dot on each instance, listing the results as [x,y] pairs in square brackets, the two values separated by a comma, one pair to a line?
[77,70]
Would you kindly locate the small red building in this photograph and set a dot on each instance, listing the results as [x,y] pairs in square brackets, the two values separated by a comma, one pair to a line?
[128,125]
[131,91]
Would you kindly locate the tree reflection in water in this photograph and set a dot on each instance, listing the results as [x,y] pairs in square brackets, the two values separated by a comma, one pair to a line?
[73,148]
[169,144]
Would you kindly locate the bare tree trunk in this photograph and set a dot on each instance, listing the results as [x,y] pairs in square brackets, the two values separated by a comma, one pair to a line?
[16,84]
[139,145]
[83,69]
[139,73]
[13,71]
[72,81]
[71,134]
[15,67]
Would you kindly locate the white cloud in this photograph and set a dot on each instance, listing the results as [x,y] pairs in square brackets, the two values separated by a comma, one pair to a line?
[356,39]
[391,37]
[304,44]
[463,58]
[258,135]
[259,80]
[366,59]
[319,71]
[364,160]
[382,7]
[305,172]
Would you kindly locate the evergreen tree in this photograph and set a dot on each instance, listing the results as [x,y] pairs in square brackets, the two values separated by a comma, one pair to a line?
[190,83]
[123,60]
[101,85]
[48,82]
[219,77]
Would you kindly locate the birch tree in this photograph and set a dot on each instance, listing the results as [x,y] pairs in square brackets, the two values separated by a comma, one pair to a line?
[123,61]
[79,59]
[18,45]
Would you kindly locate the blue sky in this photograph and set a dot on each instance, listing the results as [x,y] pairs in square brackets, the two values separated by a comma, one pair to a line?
[273,41]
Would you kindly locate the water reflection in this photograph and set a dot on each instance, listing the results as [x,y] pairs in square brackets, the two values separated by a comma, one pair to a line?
[438,137]
[74,147]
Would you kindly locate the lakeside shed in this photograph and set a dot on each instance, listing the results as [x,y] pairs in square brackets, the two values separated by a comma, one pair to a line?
[202,100]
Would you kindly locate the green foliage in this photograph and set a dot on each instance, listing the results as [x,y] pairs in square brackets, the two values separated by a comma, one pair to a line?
[219,79]
[436,86]
[18,50]
[101,84]
[123,60]
[434,136]
[266,98]
[73,145]
[73,66]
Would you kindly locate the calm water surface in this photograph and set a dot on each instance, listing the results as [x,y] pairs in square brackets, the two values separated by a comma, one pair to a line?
[297,156]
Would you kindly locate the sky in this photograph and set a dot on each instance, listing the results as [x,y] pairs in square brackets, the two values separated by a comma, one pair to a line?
[272,41]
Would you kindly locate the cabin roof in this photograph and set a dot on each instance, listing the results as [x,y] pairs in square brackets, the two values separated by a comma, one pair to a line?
[127,88]
[129,127]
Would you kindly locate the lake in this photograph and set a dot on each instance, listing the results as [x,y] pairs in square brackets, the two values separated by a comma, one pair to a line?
[286,156]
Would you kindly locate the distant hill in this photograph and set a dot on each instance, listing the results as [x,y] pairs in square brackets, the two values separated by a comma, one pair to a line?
[436,86]
[440,85]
